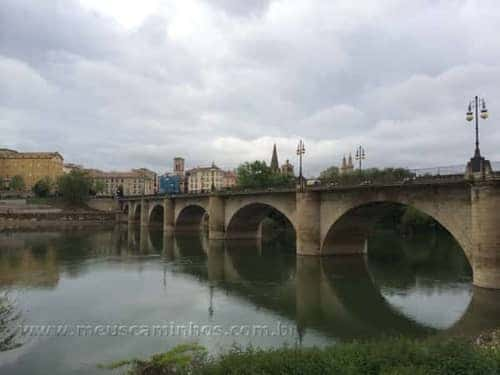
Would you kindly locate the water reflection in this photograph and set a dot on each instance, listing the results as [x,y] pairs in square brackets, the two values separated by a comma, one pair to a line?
[415,287]
[418,276]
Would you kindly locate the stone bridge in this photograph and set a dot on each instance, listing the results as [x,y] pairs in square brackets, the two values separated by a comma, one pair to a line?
[337,221]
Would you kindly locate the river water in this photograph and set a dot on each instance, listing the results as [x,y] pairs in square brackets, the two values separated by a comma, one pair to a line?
[89,297]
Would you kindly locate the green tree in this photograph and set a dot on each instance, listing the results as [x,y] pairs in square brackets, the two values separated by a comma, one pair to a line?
[258,175]
[414,219]
[74,187]
[374,175]
[17,183]
[97,187]
[43,187]
[329,174]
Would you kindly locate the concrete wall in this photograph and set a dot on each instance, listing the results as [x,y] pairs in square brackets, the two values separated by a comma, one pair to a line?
[485,207]
[104,204]
[54,220]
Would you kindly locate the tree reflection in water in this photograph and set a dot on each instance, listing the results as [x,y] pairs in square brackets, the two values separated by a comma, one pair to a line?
[399,287]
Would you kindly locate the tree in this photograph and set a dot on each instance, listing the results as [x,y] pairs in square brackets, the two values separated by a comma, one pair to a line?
[17,183]
[414,219]
[329,174]
[97,187]
[43,187]
[258,175]
[74,187]
[374,175]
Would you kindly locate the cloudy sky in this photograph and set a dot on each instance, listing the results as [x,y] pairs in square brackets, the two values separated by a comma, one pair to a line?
[117,84]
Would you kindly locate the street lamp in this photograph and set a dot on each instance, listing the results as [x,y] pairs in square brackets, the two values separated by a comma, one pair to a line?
[360,155]
[143,178]
[474,105]
[212,172]
[301,151]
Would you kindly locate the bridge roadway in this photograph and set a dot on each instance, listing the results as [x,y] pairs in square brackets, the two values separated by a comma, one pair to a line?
[337,220]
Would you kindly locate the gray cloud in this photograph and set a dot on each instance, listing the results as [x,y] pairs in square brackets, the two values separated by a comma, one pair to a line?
[223,80]
[242,7]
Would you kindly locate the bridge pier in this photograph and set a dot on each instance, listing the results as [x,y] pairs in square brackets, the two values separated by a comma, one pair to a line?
[168,216]
[130,215]
[308,223]
[216,216]
[485,212]
[144,213]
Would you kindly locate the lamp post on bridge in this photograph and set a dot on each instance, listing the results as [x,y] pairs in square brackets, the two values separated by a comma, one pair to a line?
[474,104]
[477,162]
[301,151]
[360,155]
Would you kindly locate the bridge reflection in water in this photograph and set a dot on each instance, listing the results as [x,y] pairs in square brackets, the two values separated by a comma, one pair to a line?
[424,290]
[419,287]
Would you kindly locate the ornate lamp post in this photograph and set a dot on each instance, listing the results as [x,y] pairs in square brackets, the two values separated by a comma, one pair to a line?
[301,151]
[476,161]
[212,172]
[360,155]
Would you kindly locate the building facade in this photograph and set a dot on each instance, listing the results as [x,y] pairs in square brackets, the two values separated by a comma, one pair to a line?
[169,184]
[31,166]
[179,166]
[229,180]
[135,182]
[70,167]
[205,179]
[287,169]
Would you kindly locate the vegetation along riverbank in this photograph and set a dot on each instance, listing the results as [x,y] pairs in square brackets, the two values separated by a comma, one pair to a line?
[386,356]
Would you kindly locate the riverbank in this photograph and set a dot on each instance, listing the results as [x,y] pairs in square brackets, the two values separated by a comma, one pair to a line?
[386,356]
[51,220]
[33,214]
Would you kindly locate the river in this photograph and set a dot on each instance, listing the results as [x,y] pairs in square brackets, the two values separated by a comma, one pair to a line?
[90,297]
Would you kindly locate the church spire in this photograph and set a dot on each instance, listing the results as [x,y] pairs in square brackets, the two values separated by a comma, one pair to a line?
[349,162]
[275,167]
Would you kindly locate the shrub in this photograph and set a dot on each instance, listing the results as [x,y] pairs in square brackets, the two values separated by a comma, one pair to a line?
[74,187]
[42,188]
[17,183]
[388,357]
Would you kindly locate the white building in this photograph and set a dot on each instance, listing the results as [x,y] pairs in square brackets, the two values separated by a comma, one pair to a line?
[204,179]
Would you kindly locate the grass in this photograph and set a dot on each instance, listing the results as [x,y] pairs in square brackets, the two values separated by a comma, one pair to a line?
[385,357]
[9,317]
[42,201]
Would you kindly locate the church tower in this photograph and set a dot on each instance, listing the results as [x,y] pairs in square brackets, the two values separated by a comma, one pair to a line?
[350,166]
[275,167]
[347,165]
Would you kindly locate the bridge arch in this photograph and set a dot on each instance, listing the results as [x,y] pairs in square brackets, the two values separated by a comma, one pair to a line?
[191,218]
[348,228]
[156,214]
[246,221]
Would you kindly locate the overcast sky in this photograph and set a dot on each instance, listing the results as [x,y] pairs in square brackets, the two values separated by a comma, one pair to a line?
[117,84]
